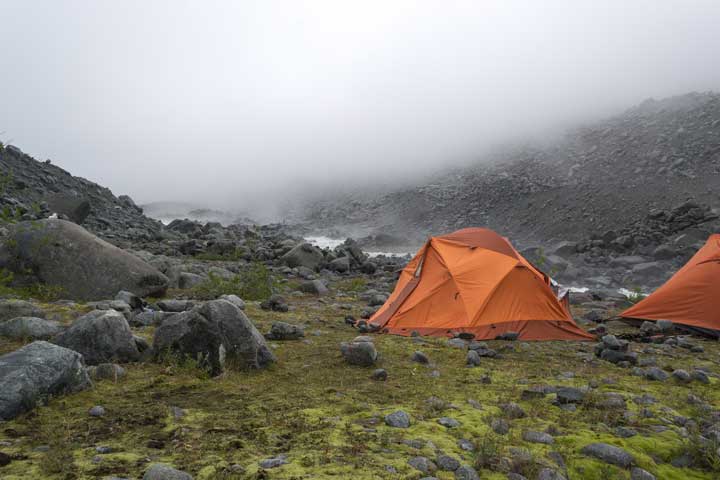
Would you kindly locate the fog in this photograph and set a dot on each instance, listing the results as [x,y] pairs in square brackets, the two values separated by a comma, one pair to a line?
[244,104]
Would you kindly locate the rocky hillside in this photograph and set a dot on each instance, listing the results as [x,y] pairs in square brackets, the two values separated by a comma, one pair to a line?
[30,189]
[603,177]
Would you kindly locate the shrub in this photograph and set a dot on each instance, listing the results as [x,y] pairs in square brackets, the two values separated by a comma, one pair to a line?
[255,283]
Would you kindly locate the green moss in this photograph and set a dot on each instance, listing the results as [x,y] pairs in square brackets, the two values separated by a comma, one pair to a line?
[327,417]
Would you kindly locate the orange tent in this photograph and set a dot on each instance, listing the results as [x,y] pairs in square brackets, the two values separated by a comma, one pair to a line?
[474,281]
[691,297]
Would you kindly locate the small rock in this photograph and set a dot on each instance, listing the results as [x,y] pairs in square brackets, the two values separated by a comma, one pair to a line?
[609,453]
[656,374]
[538,437]
[274,462]
[466,445]
[638,473]
[447,463]
[681,376]
[466,472]
[359,353]
[380,375]
[97,411]
[512,410]
[398,419]
[473,359]
[700,376]
[500,426]
[422,464]
[448,422]
[420,357]
[159,471]
[285,331]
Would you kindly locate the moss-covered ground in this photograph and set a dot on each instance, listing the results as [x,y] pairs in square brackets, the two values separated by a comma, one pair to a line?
[327,416]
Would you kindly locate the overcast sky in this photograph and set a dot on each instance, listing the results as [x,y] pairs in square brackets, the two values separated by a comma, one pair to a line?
[219,102]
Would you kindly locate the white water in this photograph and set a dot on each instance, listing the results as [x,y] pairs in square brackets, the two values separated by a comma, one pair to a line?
[327,242]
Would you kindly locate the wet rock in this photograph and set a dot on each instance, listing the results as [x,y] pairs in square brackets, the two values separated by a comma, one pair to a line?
[36,372]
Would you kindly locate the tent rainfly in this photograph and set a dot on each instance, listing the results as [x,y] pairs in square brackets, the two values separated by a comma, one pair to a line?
[691,297]
[473,281]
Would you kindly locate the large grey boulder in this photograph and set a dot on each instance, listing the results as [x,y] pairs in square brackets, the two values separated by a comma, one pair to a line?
[76,208]
[102,336]
[13,308]
[29,327]
[81,265]
[35,372]
[305,255]
[213,333]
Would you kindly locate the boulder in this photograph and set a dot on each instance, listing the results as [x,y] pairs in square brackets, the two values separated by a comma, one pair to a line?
[130,298]
[36,372]
[29,327]
[305,255]
[340,265]
[64,255]
[235,300]
[101,336]
[213,333]
[13,308]
[315,287]
[76,208]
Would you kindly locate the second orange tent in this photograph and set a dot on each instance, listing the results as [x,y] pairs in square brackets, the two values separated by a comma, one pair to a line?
[473,281]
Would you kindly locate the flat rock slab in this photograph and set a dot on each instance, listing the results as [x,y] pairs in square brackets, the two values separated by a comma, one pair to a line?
[32,374]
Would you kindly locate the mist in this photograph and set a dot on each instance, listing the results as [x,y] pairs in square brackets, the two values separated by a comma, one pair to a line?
[239,105]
